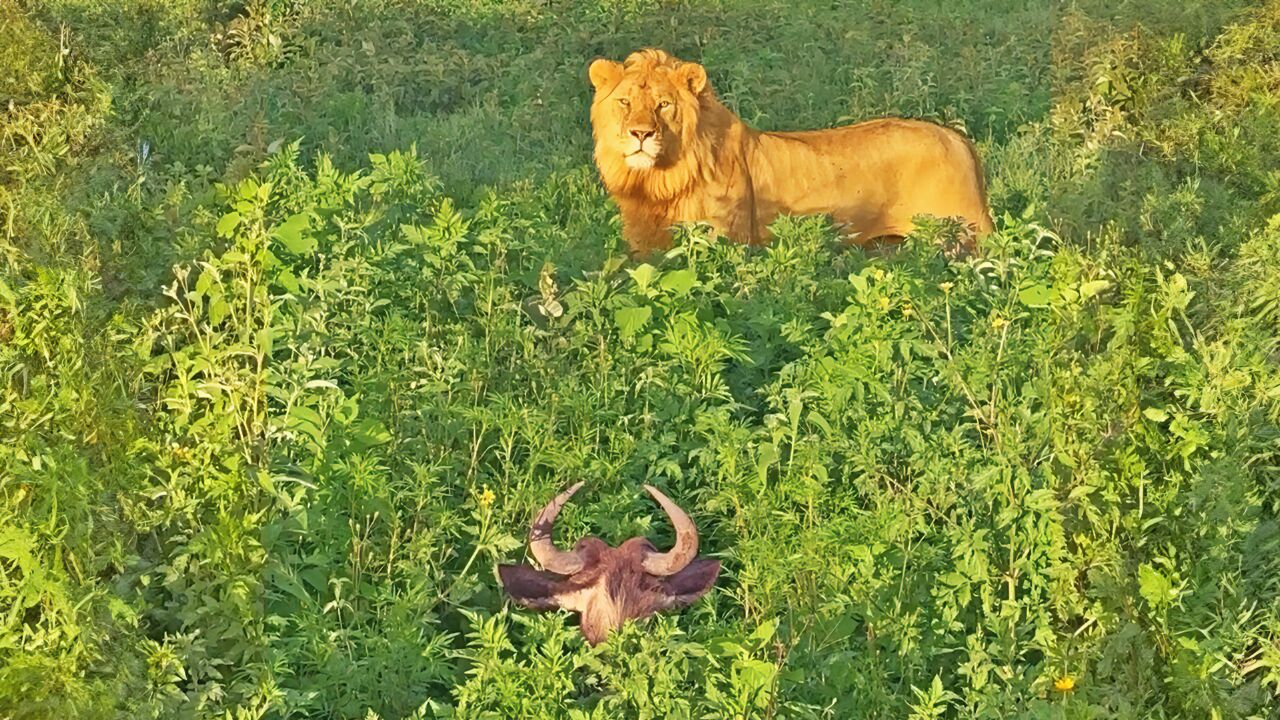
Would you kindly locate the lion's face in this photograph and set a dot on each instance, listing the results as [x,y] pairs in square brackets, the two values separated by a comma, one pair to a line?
[644,109]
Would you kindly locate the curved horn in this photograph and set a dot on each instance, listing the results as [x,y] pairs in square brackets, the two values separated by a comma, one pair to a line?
[544,551]
[686,547]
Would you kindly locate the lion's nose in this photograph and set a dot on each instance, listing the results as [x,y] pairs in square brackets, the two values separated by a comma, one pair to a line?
[642,134]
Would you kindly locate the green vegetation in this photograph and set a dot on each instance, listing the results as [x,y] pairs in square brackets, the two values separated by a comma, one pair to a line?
[305,309]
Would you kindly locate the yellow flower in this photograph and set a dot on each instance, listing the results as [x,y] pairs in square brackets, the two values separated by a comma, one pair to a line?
[884,303]
[907,311]
[486,497]
[946,287]
[1066,683]
[879,275]
[998,322]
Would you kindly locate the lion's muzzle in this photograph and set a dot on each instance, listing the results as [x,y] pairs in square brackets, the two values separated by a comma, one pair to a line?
[641,147]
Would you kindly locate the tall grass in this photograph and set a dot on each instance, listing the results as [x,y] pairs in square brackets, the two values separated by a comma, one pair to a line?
[304,310]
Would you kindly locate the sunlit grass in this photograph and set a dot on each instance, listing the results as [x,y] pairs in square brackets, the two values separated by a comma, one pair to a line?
[305,310]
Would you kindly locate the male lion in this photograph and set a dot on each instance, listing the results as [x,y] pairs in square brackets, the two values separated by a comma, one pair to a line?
[669,152]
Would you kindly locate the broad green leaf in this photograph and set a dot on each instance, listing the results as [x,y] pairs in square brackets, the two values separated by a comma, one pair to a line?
[306,420]
[294,236]
[217,310]
[1155,414]
[764,632]
[265,341]
[1154,587]
[678,282]
[288,281]
[228,224]
[644,276]
[632,320]
[1036,296]
[755,675]
[205,281]
[1093,287]
[368,433]
[859,281]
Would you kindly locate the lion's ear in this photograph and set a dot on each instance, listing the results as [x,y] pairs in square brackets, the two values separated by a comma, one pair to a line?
[604,73]
[694,76]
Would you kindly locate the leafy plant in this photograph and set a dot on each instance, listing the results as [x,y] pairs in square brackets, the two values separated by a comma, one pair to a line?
[304,309]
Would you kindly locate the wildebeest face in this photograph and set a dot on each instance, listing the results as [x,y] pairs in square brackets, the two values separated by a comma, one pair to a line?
[607,586]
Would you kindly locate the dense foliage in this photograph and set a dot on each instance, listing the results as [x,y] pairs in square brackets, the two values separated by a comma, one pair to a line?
[304,310]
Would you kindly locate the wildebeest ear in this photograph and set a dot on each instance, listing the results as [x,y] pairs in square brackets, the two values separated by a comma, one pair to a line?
[604,73]
[694,76]
[691,583]
[531,588]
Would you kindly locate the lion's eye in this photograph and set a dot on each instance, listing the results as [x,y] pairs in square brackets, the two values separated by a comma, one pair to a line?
[624,102]
[664,105]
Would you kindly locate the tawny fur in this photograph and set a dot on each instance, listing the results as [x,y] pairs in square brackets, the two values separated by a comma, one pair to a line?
[692,160]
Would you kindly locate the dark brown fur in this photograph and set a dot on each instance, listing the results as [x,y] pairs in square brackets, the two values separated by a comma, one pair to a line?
[612,585]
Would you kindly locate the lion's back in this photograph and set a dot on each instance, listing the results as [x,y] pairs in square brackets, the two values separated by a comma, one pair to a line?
[874,175]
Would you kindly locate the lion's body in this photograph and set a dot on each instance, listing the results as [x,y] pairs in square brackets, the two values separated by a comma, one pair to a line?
[872,178]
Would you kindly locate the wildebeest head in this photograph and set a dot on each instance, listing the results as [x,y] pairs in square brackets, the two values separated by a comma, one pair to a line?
[607,586]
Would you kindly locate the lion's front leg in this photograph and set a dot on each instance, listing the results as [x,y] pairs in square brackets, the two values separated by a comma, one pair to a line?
[738,228]
[644,233]
[739,223]
[738,219]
